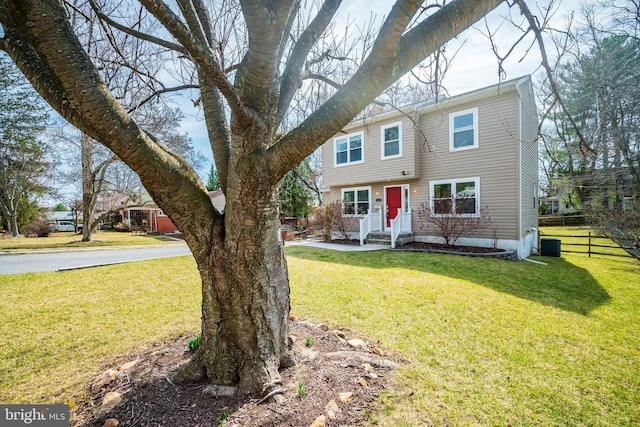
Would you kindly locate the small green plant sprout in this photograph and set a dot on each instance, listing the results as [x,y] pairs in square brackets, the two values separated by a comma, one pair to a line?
[194,343]
[141,378]
[302,392]
[222,419]
[308,341]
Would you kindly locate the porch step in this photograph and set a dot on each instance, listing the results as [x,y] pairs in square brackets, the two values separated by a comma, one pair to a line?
[381,238]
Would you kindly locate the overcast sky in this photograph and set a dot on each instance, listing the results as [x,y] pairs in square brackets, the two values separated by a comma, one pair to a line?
[474,67]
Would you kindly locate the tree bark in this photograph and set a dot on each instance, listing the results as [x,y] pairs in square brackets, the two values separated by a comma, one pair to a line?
[245,292]
[88,193]
[11,214]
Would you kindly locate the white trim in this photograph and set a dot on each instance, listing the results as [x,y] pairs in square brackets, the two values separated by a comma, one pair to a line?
[523,247]
[348,138]
[382,140]
[355,193]
[452,117]
[453,182]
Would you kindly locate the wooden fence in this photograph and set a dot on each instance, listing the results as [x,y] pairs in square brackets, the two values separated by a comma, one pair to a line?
[593,242]
[561,220]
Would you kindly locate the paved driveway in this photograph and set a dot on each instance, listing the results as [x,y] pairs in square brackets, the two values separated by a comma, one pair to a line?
[59,261]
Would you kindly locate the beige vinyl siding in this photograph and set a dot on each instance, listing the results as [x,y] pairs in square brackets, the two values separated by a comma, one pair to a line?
[505,162]
[495,161]
[373,167]
[529,158]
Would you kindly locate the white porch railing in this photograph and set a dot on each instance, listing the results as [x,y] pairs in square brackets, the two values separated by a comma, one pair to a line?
[401,223]
[370,222]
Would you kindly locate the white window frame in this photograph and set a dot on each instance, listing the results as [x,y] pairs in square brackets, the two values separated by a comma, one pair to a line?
[383,142]
[355,194]
[348,138]
[452,116]
[453,183]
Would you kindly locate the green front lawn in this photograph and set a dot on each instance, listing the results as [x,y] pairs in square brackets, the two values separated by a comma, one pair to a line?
[486,342]
[57,330]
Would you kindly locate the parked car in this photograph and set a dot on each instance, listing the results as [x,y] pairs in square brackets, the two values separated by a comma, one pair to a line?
[64,226]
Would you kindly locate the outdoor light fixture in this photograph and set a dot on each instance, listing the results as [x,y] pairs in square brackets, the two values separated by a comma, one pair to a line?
[415,189]
[404,172]
[377,192]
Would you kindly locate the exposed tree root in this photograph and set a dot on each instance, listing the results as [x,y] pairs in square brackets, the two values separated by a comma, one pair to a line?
[193,371]
[362,358]
[273,393]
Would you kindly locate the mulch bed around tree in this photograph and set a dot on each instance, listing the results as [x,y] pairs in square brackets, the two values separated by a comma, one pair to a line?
[327,368]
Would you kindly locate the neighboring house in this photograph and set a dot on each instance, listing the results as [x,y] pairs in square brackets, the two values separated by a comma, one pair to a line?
[218,200]
[56,216]
[558,204]
[475,150]
[139,213]
[143,213]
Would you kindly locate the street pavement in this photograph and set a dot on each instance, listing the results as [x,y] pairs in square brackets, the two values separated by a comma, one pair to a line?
[60,261]
[67,260]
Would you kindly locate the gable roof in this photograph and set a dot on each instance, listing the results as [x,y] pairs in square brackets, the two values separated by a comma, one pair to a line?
[423,107]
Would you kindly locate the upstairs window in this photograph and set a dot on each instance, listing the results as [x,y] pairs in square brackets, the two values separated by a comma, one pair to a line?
[348,149]
[391,136]
[458,197]
[463,130]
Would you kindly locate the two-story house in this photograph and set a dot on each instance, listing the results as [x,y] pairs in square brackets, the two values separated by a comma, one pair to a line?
[473,154]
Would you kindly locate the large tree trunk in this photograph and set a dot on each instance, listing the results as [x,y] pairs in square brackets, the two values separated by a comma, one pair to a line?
[245,295]
[89,196]
[12,220]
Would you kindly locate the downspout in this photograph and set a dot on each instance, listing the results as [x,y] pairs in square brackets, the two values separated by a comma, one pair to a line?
[520,138]
[535,262]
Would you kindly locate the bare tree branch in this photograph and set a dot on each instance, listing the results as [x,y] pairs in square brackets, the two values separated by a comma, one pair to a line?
[201,55]
[534,26]
[309,75]
[138,34]
[301,49]
[217,129]
[30,63]
[375,75]
[395,25]
[160,92]
[193,21]
[205,20]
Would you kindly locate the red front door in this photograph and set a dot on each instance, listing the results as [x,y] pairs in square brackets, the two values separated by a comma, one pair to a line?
[394,202]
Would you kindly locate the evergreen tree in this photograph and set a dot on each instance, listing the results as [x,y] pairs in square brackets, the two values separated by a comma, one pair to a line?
[22,164]
[213,182]
[295,197]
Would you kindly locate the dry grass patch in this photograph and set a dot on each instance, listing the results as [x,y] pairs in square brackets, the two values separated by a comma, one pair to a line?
[69,240]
